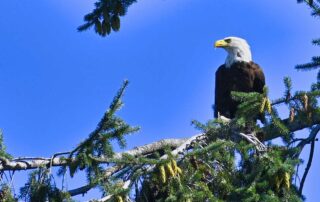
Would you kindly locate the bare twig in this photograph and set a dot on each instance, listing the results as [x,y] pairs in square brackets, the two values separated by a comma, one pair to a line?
[84,189]
[255,141]
[311,139]
[297,175]
[307,167]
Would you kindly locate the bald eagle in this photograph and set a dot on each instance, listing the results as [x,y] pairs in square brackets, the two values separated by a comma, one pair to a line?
[239,73]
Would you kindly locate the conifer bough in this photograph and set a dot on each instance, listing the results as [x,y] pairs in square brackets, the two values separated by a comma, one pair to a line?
[200,168]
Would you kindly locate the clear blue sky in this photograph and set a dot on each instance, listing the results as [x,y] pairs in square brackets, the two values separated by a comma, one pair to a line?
[56,83]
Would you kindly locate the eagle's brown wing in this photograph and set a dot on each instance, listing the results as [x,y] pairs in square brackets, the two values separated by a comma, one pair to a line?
[259,79]
[221,92]
[241,76]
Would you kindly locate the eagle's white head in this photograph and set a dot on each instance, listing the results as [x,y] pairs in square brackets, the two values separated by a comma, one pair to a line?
[238,50]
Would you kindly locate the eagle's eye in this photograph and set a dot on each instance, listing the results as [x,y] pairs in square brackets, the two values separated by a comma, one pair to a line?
[227,40]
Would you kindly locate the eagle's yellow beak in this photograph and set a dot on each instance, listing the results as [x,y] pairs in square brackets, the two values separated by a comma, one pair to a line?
[220,43]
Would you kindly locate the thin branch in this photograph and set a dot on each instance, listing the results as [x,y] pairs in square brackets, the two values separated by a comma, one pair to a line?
[296,97]
[115,105]
[255,141]
[125,186]
[270,132]
[84,189]
[308,167]
[297,175]
[310,138]
[296,140]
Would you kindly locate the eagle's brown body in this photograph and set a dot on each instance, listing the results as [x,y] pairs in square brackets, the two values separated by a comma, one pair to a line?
[240,76]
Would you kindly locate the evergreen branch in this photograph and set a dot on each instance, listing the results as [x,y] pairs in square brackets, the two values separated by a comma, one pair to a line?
[296,96]
[207,149]
[288,84]
[185,145]
[241,96]
[35,162]
[180,144]
[314,6]
[103,124]
[269,132]
[316,10]
[316,42]
[3,152]
[106,16]
[308,66]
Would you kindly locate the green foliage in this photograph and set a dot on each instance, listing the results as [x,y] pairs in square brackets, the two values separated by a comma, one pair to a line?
[212,173]
[314,64]
[315,61]
[220,166]
[106,16]
[250,104]
[40,187]
[288,85]
[99,142]
[3,152]
[226,168]
[6,194]
[314,5]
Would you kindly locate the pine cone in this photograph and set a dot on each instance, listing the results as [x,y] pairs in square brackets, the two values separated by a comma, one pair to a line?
[263,104]
[305,102]
[268,103]
[162,174]
[170,170]
[291,115]
[286,180]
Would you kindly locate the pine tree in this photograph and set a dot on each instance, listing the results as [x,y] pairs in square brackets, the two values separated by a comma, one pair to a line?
[221,163]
